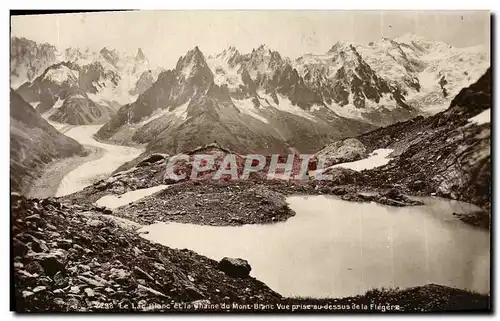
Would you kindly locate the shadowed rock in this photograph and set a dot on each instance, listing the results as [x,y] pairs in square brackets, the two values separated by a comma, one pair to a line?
[235,267]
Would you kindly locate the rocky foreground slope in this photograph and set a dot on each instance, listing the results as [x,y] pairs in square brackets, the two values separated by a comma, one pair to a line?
[66,259]
[34,143]
[448,154]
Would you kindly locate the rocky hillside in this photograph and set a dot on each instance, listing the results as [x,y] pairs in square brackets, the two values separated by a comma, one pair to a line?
[28,59]
[448,154]
[33,144]
[108,266]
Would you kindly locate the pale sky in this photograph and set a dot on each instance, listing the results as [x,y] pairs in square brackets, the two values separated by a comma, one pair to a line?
[164,36]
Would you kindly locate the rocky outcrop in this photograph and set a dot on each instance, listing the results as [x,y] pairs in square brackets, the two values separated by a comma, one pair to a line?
[210,203]
[33,144]
[63,90]
[235,267]
[29,59]
[445,154]
[78,110]
[145,81]
[347,150]
[394,198]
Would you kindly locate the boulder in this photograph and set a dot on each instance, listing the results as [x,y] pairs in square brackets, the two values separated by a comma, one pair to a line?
[394,198]
[235,267]
[52,262]
[347,150]
[393,194]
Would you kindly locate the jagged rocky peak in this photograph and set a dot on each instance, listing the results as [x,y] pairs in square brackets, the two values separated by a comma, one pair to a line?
[29,59]
[72,54]
[140,55]
[229,55]
[192,63]
[340,46]
[193,56]
[111,56]
[265,51]
[264,60]
[390,42]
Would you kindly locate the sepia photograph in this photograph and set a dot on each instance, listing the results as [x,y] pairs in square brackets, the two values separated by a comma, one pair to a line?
[251,161]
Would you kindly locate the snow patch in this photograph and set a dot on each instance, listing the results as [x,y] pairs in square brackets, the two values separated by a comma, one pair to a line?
[113,201]
[246,106]
[377,158]
[315,108]
[385,101]
[186,72]
[428,81]
[181,111]
[285,105]
[78,96]
[224,74]
[58,103]
[347,111]
[481,118]
[61,74]
[35,104]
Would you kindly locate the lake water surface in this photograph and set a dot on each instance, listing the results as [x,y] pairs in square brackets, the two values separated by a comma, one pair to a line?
[335,248]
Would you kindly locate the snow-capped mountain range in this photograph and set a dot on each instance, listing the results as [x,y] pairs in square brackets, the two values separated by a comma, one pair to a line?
[258,100]
[78,86]
[261,100]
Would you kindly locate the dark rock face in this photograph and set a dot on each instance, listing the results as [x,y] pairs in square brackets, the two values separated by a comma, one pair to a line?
[359,80]
[473,99]
[348,150]
[89,76]
[443,154]
[235,267]
[79,110]
[29,59]
[69,83]
[110,55]
[33,143]
[145,81]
